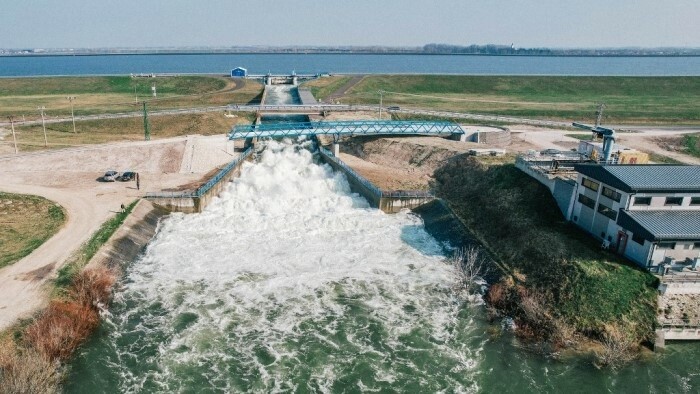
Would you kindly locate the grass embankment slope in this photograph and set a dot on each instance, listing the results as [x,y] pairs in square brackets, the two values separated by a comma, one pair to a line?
[32,353]
[629,100]
[553,265]
[97,95]
[322,88]
[26,222]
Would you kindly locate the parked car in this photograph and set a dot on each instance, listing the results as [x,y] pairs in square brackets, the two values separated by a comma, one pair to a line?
[127,176]
[551,152]
[110,176]
[393,108]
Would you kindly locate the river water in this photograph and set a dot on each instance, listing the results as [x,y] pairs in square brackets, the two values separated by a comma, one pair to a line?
[349,63]
[290,282]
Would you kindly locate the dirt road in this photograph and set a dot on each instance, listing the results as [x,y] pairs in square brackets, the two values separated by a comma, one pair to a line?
[69,177]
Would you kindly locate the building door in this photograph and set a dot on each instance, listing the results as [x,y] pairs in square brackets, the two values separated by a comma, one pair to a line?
[621,242]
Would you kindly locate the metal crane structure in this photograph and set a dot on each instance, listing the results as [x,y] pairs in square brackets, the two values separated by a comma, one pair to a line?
[608,135]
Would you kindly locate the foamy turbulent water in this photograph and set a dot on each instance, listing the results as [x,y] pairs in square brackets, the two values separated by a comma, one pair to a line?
[287,282]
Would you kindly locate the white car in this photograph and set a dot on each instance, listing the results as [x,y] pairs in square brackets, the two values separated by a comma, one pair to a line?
[110,176]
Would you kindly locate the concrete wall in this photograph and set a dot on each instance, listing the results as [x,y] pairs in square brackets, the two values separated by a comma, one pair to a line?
[377,199]
[196,204]
[497,138]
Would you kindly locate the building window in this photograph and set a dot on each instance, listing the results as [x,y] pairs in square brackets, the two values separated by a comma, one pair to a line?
[694,200]
[590,184]
[611,194]
[607,211]
[638,239]
[666,245]
[674,201]
[589,202]
[642,201]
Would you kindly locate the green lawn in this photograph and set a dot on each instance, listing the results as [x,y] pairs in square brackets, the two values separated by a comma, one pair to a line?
[26,222]
[628,99]
[691,143]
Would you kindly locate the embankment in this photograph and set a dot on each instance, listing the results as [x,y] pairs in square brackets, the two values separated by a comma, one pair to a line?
[559,285]
[131,238]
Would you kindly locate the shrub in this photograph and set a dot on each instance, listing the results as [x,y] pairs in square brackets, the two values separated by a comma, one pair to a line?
[93,287]
[61,328]
[26,371]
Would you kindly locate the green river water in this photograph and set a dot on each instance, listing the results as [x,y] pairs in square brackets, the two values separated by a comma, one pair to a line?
[290,283]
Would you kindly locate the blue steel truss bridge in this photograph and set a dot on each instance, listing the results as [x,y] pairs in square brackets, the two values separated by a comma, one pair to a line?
[380,127]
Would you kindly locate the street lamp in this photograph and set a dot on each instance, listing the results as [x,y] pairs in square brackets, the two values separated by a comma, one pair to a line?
[72,113]
[381,99]
[43,124]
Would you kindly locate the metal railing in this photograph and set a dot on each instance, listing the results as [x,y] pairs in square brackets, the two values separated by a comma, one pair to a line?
[359,178]
[381,127]
[369,185]
[679,323]
[200,191]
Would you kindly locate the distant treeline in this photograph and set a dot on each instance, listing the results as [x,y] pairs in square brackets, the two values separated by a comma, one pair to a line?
[444,49]
[510,50]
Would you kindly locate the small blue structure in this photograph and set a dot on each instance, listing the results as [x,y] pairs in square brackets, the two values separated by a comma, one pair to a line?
[239,72]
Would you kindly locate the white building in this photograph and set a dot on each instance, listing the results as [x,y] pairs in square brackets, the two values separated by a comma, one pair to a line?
[647,213]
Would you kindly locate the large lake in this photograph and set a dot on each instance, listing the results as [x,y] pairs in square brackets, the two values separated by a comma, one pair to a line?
[337,63]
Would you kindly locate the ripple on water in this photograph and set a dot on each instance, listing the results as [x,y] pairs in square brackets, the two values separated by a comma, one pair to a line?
[288,281]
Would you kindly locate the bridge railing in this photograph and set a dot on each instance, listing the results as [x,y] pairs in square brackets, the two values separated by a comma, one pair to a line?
[200,191]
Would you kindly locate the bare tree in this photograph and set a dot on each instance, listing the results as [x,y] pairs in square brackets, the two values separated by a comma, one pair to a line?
[618,348]
[468,265]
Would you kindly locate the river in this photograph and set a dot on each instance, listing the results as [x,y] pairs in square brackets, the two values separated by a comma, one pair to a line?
[290,282]
[348,63]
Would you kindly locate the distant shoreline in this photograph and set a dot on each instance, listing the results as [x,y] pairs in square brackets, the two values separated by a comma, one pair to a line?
[197,53]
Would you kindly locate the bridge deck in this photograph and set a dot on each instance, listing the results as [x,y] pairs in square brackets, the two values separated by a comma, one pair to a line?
[281,130]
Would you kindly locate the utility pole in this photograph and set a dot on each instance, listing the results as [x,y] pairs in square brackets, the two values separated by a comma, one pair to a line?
[381,100]
[72,113]
[14,139]
[43,125]
[599,115]
[146,126]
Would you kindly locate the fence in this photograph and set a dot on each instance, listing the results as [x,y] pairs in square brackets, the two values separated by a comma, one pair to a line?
[359,178]
[202,190]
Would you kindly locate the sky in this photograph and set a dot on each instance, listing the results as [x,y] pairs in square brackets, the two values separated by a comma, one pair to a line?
[174,23]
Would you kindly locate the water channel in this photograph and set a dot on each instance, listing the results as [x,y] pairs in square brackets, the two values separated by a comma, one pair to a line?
[289,282]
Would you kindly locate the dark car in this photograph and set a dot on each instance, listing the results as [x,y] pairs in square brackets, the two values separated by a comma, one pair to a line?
[127,176]
[110,176]
[393,108]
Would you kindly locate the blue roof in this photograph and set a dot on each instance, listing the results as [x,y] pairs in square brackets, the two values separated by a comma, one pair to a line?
[645,178]
[662,224]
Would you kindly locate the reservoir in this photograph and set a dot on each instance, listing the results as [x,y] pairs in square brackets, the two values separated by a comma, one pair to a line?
[349,64]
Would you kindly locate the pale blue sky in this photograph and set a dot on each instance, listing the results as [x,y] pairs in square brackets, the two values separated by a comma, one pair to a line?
[526,23]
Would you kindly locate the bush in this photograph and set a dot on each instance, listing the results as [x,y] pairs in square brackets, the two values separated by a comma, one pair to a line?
[93,287]
[61,328]
[26,371]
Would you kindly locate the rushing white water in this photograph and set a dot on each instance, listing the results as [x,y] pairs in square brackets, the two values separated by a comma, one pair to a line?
[288,281]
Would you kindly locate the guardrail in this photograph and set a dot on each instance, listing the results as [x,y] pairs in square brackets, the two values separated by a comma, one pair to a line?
[679,323]
[369,185]
[200,191]
[362,180]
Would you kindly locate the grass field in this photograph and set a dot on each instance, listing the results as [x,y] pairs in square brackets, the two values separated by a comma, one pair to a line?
[691,144]
[518,220]
[20,97]
[26,222]
[323,87]
[60,135]
[630,100]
